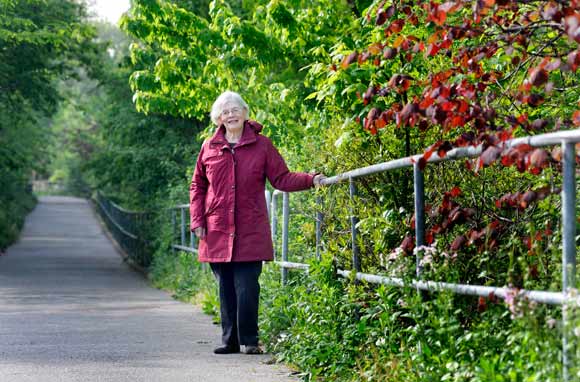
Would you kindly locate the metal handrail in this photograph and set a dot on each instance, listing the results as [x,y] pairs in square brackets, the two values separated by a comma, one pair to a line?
[114,221]
[548,139]
[120,222]
[566,138]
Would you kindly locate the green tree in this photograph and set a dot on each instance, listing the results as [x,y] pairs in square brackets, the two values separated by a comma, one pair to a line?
[40,41]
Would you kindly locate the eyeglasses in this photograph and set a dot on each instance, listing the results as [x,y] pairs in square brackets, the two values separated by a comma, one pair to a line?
[232,111]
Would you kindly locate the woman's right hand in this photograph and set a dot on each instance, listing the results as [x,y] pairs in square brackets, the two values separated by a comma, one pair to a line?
[199,232]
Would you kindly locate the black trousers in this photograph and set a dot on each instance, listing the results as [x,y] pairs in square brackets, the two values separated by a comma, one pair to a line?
[239,299]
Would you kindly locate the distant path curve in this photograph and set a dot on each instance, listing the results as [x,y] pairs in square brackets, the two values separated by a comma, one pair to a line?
[71,310]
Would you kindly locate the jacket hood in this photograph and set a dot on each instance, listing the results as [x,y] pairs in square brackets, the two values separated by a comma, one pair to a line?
[251,129]
[254,125]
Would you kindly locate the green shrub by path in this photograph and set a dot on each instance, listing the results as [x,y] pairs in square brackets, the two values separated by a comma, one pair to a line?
[331,329]
[16,202]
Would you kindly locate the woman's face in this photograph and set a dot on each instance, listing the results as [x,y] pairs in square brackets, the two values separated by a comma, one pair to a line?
[232,116]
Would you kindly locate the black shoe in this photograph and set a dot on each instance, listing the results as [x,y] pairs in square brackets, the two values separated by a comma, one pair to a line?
[226,349]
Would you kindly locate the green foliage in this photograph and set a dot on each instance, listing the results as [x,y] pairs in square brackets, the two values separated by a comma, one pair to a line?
[41,42]
[289,59]
[334,330]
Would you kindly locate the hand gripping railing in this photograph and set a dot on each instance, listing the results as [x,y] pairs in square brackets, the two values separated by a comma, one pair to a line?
[566,138]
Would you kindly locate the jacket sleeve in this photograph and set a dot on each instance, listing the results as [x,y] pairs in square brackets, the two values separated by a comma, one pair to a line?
[280,177]
[197,192]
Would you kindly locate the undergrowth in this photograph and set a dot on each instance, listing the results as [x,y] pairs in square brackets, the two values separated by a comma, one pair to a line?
[335,329]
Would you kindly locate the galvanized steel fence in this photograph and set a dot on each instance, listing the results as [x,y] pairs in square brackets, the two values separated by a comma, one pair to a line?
[128,228]
[567,139]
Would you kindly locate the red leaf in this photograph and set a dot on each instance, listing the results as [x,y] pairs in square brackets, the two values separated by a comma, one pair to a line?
[576,118]
[468,165]
[427,101]
[528,198]
[444,148]
[448,106]
[538,124]
[408,244]
[539,158]
[349,60]
[538,77]
[375,48]
[458,243]
[507,160]
[432,49]
[504,135]
[395,27]
[489,155]
[432,149]
[463,106]
[481,305]
[429,238]
[381,17]
[455,191]
[371,117]
[437,16]
[457,121]
[389,53]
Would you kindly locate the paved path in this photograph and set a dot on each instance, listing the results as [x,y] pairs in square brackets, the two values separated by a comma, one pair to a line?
[70,310]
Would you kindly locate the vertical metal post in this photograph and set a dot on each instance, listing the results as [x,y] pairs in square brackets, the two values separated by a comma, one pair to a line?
[183,226]
[274,220]
[173,227]
[285,226]
[568,245]
[353,231]
[419,188]
[318,225]
[268,200]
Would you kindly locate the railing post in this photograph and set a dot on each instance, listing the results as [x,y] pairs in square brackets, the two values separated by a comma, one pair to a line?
[285,227]
[182,226]
[419,188]
[173,227]
[273,221]
[568,245]
[353,231]
[268,200]
[318,225]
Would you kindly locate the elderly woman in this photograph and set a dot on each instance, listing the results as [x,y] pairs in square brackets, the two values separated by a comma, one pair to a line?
[229,215]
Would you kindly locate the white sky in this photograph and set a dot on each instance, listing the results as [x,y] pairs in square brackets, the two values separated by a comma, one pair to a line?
[109,10]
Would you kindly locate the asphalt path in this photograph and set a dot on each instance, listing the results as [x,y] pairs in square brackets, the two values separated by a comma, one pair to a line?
[71,310]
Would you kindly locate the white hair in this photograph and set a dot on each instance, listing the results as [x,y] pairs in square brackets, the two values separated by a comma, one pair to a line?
[222,100]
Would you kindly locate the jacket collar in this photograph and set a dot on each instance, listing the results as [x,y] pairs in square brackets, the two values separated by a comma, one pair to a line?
[251,130]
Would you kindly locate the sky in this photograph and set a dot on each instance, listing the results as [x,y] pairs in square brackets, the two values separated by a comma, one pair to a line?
[109,10]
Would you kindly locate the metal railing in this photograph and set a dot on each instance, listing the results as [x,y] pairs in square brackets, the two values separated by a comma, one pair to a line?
[127,228]
[565,138]
[185,244]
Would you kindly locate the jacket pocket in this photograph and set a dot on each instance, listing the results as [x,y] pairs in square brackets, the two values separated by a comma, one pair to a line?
[216,220]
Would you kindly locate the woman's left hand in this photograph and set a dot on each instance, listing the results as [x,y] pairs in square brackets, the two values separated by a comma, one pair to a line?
[317,179]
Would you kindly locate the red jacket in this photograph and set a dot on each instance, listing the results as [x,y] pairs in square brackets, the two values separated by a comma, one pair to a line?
[227,195]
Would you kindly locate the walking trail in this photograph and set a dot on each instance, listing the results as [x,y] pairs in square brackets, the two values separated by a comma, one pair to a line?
[71,310]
